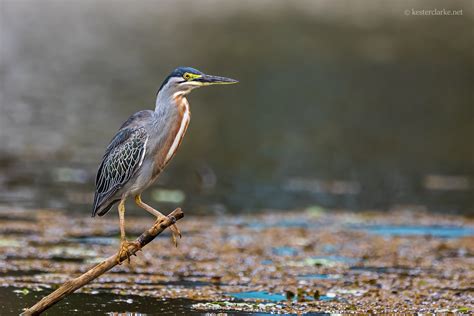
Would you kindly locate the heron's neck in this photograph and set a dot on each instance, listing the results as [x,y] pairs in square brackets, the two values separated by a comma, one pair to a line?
[166,99]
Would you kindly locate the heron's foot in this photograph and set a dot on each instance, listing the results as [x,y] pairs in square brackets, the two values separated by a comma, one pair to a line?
[175,233]
[124,248]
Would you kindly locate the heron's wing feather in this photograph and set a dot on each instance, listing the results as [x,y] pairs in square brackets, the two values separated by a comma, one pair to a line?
[122,158]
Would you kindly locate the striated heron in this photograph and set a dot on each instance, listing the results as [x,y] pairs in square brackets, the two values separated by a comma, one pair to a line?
[145,144]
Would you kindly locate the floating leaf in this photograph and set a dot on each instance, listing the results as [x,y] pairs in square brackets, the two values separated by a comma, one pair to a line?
[23,291]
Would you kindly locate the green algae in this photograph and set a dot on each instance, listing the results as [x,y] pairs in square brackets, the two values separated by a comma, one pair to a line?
[218,263]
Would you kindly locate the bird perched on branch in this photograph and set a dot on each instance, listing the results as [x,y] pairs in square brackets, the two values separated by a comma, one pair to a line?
[145,144]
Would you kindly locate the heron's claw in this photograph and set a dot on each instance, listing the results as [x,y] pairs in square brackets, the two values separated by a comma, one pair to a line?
[124,245]
[175,233]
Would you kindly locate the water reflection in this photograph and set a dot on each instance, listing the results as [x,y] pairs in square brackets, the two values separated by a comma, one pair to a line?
[93,304]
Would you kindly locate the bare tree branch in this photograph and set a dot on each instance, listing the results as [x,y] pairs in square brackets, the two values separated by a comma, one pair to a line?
[74,284]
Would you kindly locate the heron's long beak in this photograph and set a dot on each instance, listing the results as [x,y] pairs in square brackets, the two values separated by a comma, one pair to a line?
[206,80]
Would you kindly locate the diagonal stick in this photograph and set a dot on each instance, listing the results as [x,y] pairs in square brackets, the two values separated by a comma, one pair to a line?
[72,285]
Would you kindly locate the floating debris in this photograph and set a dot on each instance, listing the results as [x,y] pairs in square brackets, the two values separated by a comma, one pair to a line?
[95,240]
[285,251]
[22,291]
[287,263]
[258,295]
[446,183]
[225,305]
[168,196]
[320,276]
[10,242]
[315,211]
[337,187]
[355,292]
[324,261]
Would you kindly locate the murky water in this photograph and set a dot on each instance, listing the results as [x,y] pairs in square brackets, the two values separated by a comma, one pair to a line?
[98,304]
[366,110]
[274,297]
[410,230]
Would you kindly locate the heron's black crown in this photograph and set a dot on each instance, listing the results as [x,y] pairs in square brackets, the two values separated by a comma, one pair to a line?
[178,73]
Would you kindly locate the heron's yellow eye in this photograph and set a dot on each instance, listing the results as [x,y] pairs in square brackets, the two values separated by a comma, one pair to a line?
[187,76]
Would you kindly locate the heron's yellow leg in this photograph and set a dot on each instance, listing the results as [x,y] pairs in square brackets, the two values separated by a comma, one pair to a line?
[174,229]
[124,243]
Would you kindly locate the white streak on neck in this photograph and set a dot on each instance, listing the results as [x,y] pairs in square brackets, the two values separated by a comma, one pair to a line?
[182,129]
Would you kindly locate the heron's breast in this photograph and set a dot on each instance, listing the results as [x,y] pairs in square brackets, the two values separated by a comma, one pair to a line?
[174,137]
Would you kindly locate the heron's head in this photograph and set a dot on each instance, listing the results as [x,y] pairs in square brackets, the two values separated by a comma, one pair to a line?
[184,79]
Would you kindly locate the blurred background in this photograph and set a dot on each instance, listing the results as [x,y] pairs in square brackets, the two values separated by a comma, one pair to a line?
[349,105]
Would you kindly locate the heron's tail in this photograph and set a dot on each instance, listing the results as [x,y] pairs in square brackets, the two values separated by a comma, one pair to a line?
[102,209]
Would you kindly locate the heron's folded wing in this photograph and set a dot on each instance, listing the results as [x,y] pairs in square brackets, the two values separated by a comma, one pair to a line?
[122,158]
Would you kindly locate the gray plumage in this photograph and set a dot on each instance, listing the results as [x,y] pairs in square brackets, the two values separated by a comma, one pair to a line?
[148,140]
[121,160]
[136,155]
